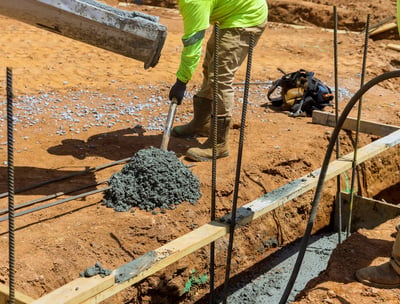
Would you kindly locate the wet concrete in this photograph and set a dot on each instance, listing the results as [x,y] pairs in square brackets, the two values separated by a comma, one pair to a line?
[266,281]
[153,178]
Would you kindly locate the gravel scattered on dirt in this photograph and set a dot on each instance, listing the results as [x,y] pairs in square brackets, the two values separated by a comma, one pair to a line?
[153,178]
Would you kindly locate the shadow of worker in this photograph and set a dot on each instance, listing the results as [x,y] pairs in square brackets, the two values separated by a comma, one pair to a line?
[112,145]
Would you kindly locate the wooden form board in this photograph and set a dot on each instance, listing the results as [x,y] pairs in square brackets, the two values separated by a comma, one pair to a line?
[91,290]
[393,46]
[20,298]
[369,127]
[367,212]
[384,28]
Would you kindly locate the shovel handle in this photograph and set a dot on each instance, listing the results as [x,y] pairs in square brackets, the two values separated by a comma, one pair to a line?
[168,124]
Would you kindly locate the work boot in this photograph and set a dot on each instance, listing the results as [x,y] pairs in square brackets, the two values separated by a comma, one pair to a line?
[382,276]
[200,124]
[386,275]
[205,151]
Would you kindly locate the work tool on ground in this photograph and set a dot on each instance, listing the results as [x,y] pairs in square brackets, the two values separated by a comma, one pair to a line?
[168,124]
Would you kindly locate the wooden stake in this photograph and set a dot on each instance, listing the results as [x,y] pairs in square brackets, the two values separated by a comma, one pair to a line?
[20,298]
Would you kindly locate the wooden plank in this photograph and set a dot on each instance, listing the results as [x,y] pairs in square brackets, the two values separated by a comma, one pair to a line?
[392,46]
[278,197]
[369,127]
[164,256]
[367,212]
[20,298]
[78,290]
[384,28]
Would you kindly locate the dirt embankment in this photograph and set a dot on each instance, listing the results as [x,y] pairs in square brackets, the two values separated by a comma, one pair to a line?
[79,106]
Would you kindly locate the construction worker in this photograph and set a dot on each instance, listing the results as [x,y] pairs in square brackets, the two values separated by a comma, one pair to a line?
[236,19]
[386,275]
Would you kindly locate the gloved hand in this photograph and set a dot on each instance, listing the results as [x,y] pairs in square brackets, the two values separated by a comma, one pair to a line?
[178,91]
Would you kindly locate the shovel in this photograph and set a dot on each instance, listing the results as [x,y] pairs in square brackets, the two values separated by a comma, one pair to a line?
[168,124]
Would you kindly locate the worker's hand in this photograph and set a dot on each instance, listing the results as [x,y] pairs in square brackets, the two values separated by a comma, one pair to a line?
[178,91]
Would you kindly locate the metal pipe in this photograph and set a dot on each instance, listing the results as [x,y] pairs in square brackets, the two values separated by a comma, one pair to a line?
[238,167]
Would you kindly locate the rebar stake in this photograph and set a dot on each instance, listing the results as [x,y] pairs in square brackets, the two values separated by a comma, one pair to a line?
[214,158]
[10,145]
[238,167]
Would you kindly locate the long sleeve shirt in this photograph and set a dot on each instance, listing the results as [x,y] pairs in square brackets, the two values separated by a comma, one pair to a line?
[199,14]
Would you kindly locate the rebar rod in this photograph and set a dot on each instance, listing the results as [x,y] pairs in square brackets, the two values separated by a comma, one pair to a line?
[321,179]
[214,159]
[11,190]
[354,163]
[50,196]
[41,207]
[238,167]
[254,83]
[88,170]
[338,187]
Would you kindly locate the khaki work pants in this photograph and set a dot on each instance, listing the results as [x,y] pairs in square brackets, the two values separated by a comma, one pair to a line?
[232,50]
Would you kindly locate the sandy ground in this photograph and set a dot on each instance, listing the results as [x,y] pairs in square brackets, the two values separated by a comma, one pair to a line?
[79,107]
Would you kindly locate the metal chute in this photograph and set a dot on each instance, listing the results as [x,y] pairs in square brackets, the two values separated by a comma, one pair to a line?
[132,34]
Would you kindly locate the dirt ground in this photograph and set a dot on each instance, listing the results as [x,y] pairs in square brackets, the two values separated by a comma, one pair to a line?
[78,107]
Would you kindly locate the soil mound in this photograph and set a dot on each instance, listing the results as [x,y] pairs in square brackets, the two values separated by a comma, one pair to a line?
[153,178]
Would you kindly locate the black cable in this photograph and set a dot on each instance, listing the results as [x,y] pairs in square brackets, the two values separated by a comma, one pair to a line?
[10,162]
[238,167]
[324,168]
[214,158]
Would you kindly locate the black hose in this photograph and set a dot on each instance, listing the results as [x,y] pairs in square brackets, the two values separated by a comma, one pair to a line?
[321,180]
[238,167]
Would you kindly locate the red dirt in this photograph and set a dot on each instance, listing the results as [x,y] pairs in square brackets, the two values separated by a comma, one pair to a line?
[54,245]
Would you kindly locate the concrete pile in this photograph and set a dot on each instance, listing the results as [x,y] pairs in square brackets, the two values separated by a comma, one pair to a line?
[153,178]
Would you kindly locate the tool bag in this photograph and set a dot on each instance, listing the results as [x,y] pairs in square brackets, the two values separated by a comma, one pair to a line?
[300,93]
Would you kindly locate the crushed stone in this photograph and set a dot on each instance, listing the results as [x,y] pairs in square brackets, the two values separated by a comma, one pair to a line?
[153,178]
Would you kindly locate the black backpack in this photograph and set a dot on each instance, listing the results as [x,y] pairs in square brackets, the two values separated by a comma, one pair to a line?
[300,92]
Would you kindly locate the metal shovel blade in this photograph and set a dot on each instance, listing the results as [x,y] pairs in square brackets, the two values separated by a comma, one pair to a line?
[168,124]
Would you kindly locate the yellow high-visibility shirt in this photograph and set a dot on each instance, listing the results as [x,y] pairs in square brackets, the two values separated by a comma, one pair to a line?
[199,14]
